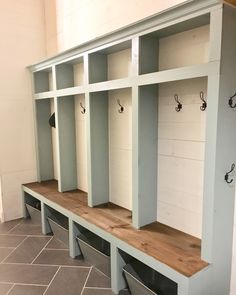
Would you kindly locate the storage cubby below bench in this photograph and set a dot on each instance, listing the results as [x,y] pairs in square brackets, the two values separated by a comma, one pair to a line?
[94,249]
[32,209]
[143,280]
[59,224]
[106,238]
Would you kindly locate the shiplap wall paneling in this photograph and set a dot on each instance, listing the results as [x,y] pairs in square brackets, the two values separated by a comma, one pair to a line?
[120,147]
[181,143]
[184,44]
[111,147]
[46,160]
[43,80]
[65,122]
[70,74]
[110,63]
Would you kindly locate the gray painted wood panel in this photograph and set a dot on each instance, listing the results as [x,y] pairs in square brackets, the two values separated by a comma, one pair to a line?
[148,55]
[41,81]
[64,76]
[44,140]
[221,140]
[145,155]
[66,143]
[98,154]
[97,67]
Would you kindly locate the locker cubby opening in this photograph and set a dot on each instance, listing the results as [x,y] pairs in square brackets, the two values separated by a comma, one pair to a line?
[33,208]
[43,80]
[73,142]
[110,63]
[180,45]
[94,249]
[111,148]
[142,279]
[59,224]
[70,74]
[46,140]
[175,159]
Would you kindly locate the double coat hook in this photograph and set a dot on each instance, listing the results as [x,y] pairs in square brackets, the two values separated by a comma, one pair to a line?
[121,109]
[228,173]
[179,106]
[83,108]
[231,101]
[204,103]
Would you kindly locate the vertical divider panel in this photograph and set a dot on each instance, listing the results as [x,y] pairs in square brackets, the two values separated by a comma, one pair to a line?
[98,150]
[73,233]
[221,142]
[66,143]
[46,229]
[211,138]
[145,155]
[44,140]
[117,264]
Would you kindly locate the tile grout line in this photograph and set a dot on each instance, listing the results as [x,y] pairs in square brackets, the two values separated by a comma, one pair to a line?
[8,292]
[21,235]
[52,280]
[14,249]
[41,250]
[54,249]
[100,288]
[86,280]
[24,284]
[37,264]
[101,272]
[14,227]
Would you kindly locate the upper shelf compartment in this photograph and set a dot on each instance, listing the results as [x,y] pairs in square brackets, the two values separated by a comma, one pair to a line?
[110,63]
[70,73]
[180,45]
[43,80]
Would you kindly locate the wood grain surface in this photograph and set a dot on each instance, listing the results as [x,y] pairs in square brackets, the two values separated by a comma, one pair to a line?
[174,248]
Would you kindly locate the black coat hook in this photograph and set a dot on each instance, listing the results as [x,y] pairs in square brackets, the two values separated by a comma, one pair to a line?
[231,101]
[228,173]
[121,109]
[83,108]
[204,103]
[51,121]
[179,106]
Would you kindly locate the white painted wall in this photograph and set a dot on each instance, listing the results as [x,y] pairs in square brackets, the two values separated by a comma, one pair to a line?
[1,211]
[22,33]
[81,20]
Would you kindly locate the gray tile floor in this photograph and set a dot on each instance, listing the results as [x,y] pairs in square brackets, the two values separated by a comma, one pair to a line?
[34,264]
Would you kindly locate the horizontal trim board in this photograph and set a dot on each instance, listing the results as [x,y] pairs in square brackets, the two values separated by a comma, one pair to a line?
[43,95]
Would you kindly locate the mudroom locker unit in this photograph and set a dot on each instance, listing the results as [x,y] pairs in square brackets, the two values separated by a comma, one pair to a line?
[136,150]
